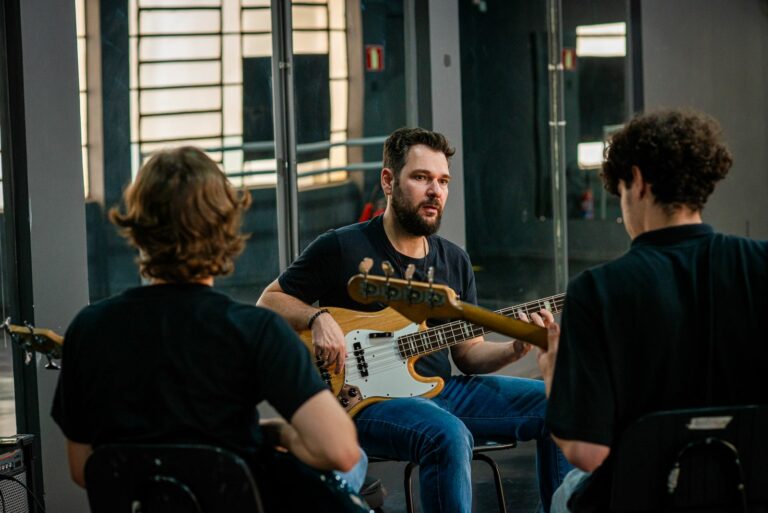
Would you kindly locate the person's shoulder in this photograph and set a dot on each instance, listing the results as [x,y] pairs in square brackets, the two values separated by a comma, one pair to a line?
[253,320]
[742,244]
[449,247]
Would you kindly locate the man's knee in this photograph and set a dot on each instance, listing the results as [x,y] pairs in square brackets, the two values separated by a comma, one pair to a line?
[451,441]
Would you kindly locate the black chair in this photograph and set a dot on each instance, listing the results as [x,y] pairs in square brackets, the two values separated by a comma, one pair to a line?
[169,479]
[703,460]
[479,453]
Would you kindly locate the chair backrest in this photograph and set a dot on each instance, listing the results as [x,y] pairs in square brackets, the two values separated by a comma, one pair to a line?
[709,459]
[169,479]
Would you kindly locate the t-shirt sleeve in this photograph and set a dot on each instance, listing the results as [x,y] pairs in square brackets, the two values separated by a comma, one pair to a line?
[469,286]
[581,405]
[288,377]
[70,409]
[311,275]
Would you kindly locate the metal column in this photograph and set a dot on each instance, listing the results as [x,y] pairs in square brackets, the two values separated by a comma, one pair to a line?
[557,141]
[285,133]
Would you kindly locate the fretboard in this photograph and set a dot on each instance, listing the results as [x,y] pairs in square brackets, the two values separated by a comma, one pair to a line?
[446,335]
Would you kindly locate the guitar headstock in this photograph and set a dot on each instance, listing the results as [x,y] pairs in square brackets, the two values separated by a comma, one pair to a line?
[35,340]
[415,300]
[419,301]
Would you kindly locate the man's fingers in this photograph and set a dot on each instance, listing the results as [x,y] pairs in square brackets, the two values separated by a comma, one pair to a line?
[548,317]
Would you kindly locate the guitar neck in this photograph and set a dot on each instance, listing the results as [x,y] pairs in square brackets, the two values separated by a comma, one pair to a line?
[452,333]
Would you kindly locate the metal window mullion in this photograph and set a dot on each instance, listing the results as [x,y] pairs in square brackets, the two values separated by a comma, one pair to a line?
[557,141]
[283,103]
[221,75]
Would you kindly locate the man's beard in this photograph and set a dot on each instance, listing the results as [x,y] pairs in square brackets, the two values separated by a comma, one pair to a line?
[408,217]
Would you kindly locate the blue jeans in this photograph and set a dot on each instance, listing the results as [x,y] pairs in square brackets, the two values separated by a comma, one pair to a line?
[572,481]
[439,434]
[356,476]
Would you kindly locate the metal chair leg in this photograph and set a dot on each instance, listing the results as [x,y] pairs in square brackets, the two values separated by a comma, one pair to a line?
[408,485]
[496,478]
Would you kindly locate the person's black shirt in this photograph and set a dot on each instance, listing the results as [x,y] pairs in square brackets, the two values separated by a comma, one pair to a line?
[323,269]
[175,364]
[636,334]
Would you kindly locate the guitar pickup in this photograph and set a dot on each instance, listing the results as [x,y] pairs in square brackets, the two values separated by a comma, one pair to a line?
[381,334]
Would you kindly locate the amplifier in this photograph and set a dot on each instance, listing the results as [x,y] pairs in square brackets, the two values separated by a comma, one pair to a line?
[16,455]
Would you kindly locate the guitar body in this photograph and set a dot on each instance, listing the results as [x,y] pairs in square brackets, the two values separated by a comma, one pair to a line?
[375,369]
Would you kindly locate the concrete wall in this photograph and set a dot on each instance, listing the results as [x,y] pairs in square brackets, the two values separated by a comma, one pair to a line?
[57,215]
[713,56]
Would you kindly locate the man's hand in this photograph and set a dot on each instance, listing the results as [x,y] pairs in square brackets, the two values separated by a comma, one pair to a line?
[328,341]
[546,359]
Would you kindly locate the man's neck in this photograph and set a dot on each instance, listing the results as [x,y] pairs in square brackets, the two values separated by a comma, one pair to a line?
[414,246]
[656,218]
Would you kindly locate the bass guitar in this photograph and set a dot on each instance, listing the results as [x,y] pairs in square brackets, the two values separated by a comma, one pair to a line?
[383,346]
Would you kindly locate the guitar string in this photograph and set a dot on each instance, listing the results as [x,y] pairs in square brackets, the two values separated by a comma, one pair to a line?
[430,336]
[423,342]
[462,327]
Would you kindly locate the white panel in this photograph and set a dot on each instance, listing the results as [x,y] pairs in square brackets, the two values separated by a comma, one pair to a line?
[257,20]
[257,46]
[233,110]
[179,3]
[310,42]
[174,22]
[337,14]
[339,104]
[310,17]
[180,126]
[180,48]
[172,74]
[232,60]
[338,55]
[174,100]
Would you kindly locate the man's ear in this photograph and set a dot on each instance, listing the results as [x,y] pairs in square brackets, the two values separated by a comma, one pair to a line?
[387,180]
[638,181]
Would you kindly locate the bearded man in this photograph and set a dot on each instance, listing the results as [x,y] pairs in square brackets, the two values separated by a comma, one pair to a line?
[437,433]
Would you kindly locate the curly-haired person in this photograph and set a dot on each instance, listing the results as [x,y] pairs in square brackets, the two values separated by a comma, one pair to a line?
[175,361]
[676,322]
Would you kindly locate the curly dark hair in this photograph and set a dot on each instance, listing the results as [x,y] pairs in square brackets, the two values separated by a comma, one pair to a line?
[679,153]
[183,215]
[399,142]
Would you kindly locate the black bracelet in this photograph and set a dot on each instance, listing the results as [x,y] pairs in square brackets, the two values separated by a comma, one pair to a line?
[315,316]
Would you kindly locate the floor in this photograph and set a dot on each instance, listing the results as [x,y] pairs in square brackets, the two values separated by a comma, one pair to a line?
[518,476]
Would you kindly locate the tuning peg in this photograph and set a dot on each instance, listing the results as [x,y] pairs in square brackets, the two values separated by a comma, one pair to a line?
[365,265]
[387,268]
[409,272]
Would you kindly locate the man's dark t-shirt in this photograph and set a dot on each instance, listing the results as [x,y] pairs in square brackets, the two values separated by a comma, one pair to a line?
[323,269]
[179,363]
[636,334]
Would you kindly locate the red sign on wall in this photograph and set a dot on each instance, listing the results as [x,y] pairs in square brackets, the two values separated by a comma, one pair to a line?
[374,57]
[569,59]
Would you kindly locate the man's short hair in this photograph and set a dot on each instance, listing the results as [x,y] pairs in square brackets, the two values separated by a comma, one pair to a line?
[400,141]
[679,153]
[184,216]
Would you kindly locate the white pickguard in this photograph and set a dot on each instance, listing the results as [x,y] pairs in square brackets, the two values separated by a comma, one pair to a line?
[388,374]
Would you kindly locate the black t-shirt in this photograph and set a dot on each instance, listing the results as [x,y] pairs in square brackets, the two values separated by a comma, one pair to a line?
[636,333]
[178,363]
[323,269]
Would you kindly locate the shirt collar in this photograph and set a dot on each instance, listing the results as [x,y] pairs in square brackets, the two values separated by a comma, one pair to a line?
[672,235]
